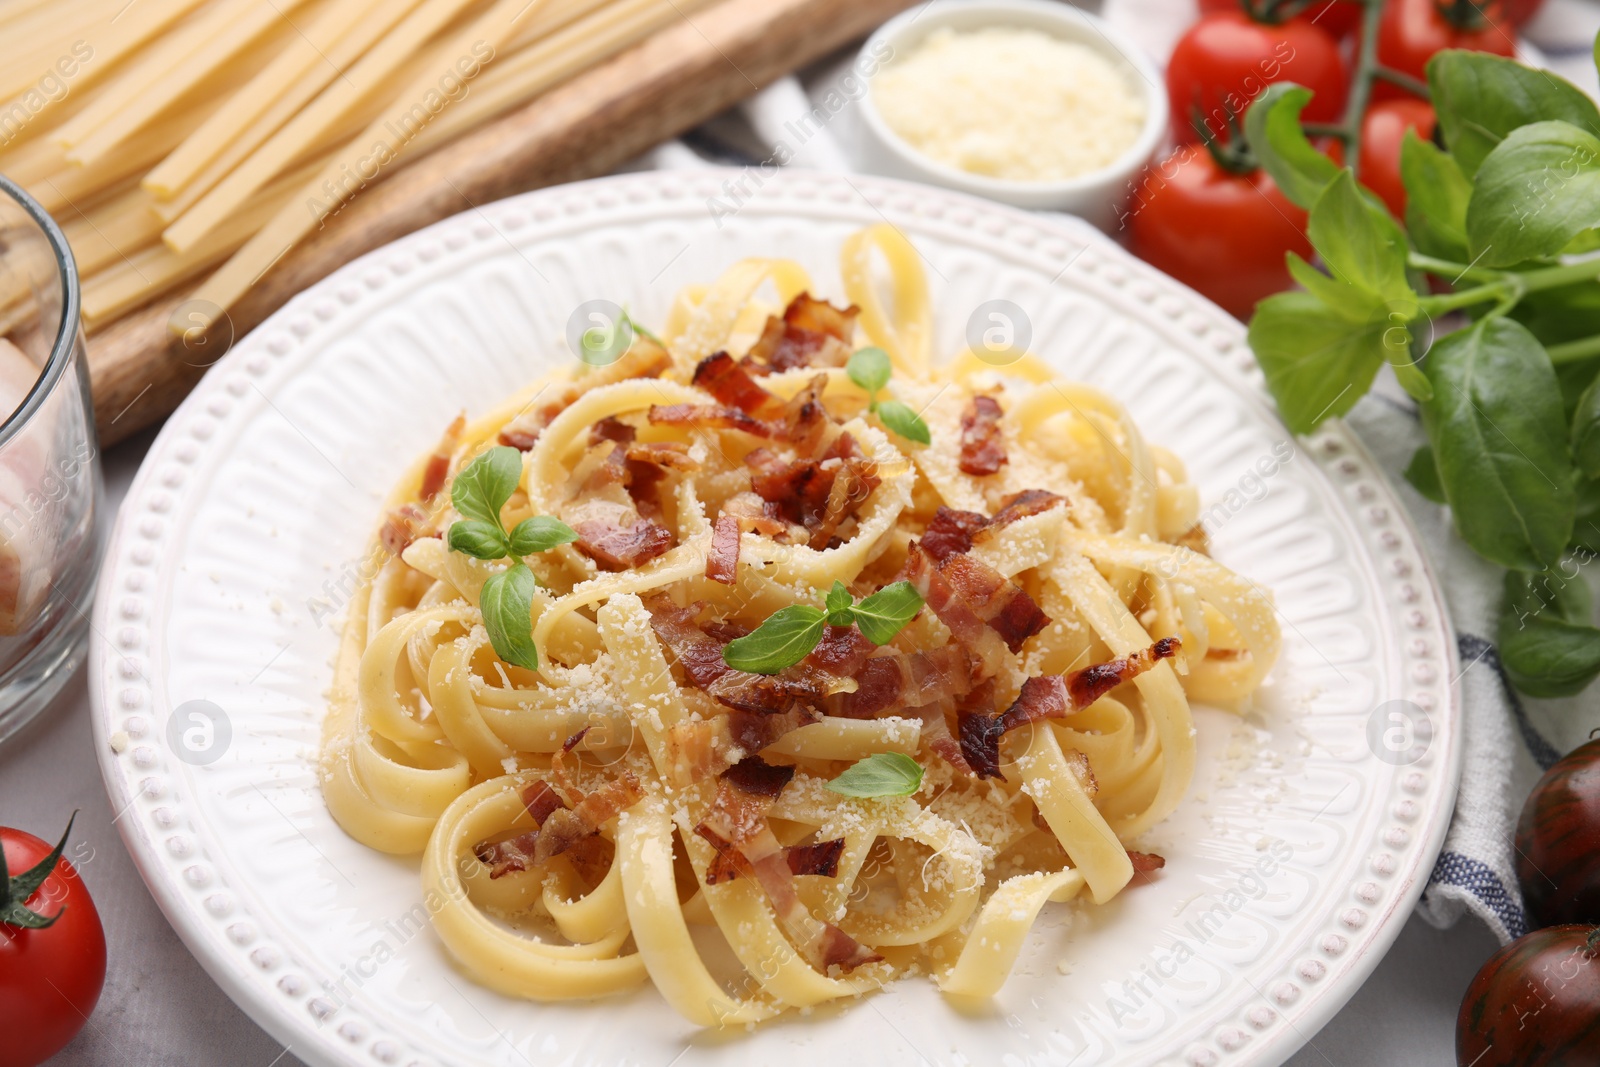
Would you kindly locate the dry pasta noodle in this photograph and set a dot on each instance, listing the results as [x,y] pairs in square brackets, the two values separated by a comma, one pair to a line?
[189,144]
[579,812]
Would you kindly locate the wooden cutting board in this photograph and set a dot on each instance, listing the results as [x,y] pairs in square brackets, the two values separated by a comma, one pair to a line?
[669,83]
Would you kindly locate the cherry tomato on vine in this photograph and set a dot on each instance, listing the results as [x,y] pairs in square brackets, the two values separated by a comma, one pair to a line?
[52,950]
[1220,233]
[1520,12]
[1411,31]
[1382,130]
[1338,18]
[1225,60]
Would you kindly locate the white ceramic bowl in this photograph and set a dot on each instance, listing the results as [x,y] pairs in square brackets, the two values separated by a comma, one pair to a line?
[1097,196]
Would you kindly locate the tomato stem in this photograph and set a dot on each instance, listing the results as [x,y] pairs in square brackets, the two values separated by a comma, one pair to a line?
[1361,90]
[1403,80]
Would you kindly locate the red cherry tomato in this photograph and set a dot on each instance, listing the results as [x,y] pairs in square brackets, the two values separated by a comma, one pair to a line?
[1520,12]
[1534,1004]
[1382,130]
[1411,31]
[50,978]
[1339,18]
[1220,233]
[1225,61]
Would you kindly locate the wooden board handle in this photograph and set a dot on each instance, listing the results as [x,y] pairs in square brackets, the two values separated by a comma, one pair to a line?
[669,83]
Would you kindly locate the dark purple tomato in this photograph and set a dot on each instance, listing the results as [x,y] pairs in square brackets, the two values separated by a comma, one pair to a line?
[1536,1003]
[1558,842]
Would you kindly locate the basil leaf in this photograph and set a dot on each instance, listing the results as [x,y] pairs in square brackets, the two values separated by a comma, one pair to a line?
[1423,474]
[1481,98]
[481,540]
[507,606]
[1318,362]
[1272,129]
[1360,244]
[1436,199]
[869,368]
[1570,313]
[1586,432]
[785,639]
[1350,302]
[1547,657]
[886,612]
[882,774]
[1554,593]
[1535,193]
[483,486]
[1500,443]
[905,422]
[540,534]
[837,605]
[1586,525]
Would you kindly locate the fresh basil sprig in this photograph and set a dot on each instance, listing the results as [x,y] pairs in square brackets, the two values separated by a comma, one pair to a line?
[1504,365]
[479,491]
[790,633]
[870,369]
[882,774]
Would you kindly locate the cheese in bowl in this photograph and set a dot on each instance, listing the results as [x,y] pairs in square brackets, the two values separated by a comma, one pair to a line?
[1011,102]
[1032,103]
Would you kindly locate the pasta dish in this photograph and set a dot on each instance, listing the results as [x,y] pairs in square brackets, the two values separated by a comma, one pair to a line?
[769,660]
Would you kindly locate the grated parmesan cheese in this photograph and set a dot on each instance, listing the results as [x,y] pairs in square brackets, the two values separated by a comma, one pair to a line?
[1011,103]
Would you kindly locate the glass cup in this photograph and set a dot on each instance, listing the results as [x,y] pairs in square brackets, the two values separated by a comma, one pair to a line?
[50,487]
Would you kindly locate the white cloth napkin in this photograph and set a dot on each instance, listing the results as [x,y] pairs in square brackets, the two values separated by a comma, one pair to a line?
[1507,741]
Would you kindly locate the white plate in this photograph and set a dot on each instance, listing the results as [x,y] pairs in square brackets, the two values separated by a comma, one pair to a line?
[250,514]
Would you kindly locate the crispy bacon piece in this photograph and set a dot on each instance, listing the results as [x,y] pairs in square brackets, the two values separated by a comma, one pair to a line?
[941,596]
[842,651]
[980,743]
[700,656]
[999,602]
[951,532]
[969,595]
[804,491]
[1145,862]
[701,748]
[805,419]
[617,547]
[1052,696]
[644,359]
[936,734]
[438,468]
[612,428]
[712,416]
[758,778]
[737,827]
[820,858]
[906,680]
[811,333]
[402,526]
[729,382]
[981,449]
[518,853]
[565,827]
[722,562]
[1021,505]
[664,455]
[1195,539]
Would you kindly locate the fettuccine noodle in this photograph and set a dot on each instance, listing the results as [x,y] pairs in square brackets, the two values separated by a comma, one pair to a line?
[577,821]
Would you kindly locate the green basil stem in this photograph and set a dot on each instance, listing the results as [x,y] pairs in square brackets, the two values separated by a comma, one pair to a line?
[1503,287]
[1572,351]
